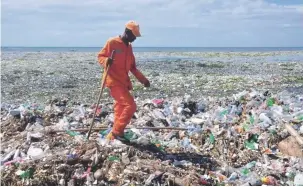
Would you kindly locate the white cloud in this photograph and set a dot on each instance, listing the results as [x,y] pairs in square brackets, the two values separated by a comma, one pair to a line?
[155,13]
[244,17]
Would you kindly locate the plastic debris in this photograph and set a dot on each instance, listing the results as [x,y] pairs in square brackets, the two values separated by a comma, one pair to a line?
[298,181]
[238,140]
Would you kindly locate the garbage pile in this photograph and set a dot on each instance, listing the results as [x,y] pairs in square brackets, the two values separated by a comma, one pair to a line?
[250,138]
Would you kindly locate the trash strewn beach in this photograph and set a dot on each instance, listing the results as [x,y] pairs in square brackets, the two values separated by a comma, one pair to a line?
[214,118]
[39,76]
[242,139]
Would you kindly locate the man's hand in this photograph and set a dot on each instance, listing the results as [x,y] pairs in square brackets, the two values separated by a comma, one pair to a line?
[147,84]
[109,61]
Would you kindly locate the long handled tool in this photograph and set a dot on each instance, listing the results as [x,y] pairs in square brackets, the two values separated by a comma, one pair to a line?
[105,128]
[102,88]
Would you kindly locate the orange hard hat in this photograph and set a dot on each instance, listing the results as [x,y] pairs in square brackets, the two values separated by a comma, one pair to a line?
[134,27]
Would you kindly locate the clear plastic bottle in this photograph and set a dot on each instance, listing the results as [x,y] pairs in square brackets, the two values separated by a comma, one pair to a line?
[143,141]
[265,119]
[252,180]
[167,110]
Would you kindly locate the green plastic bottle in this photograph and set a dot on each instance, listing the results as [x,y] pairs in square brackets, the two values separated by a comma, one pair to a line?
[212,138]
[300,118]
[270,101]
[130,135]
[28,173]
[251,119]
[113,158]
[245,171]
[72,133]
[224,112]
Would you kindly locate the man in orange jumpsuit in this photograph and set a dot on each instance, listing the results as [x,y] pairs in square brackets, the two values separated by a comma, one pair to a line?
[118,80]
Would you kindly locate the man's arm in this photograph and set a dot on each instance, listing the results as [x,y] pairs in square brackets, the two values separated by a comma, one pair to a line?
[137,73]
[104,54]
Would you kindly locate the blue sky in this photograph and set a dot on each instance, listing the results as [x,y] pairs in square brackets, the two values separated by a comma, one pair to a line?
[163,23]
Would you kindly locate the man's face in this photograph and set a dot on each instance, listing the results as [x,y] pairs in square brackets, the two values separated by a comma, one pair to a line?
[130,36]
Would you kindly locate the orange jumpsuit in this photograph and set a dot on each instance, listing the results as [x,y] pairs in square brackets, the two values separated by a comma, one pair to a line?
[119,82]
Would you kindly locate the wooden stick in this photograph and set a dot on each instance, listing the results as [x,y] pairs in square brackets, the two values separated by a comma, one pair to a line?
[99,98]
[105,128]
[294,134]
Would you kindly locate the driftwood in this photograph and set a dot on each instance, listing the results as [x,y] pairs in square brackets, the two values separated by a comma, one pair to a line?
[294,134]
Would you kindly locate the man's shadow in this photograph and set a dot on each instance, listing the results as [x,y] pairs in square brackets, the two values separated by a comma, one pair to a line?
[194,158]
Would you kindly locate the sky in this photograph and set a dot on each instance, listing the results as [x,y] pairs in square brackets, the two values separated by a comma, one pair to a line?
[163,23]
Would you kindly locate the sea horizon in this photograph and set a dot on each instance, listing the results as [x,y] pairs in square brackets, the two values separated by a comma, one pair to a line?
[147,49]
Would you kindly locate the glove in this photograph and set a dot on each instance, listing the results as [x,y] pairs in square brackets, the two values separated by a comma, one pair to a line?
[147,84]
[109,61]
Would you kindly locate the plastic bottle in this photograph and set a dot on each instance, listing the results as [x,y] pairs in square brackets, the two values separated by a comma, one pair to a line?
[250,164]
[8,156]
[211,138]
[167,111]
[266,159]
[298,180]
[143,140]
[240,95]
[72,133]
[185,142]
[252,180]
[233,176]
[264,118]
[251,144]
[170,135]
[270,102]
[201,106]
[182,163]
[173,143]
[158,114]
[239,110]
[224,112]
[27,174]
[263,125]
[220,115]
[290,173]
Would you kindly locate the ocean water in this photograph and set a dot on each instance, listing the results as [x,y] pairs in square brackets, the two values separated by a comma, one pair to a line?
[153,49]
[275,57]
